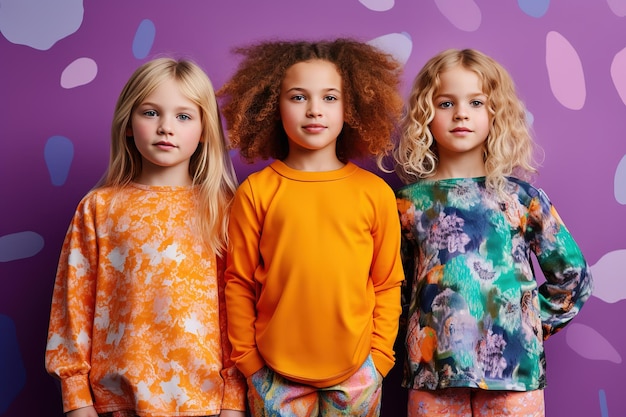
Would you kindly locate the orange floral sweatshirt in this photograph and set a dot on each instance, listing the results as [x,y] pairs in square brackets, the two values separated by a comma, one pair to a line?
[137,319]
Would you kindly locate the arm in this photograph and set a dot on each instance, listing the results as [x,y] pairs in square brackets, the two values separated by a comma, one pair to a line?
[68,350]
[84,412]
[387,277]
[232,413]
[234,383]
[568,279]
[242,261]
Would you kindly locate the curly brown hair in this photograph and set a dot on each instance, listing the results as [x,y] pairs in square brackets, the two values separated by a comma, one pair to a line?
[370,77]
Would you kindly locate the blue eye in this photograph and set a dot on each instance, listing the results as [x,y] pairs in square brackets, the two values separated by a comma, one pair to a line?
[184,117]
[476,103]
[445,104]
[150,113]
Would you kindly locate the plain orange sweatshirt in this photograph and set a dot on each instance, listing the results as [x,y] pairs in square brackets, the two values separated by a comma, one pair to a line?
[314,273]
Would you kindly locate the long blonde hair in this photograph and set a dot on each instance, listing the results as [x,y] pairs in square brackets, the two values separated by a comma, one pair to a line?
[509,147]
[210,167]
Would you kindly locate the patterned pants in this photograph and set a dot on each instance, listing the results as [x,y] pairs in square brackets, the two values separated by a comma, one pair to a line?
[467,402]
[125,414]
[271,395]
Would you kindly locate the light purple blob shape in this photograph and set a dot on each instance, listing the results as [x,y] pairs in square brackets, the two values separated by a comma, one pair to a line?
[463,14]
[590,344]
[619,183]
[618,7]
[378,5]
[608,273]
[58,153]
[13,375]
[618,73]
[534,8]
[399,45]
[20,245]
[80,72]
[565,70]
[144,38]
[39,23]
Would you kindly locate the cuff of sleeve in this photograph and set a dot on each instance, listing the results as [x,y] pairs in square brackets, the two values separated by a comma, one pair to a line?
[382,362]
[250,363]
[234,395]
[76,393]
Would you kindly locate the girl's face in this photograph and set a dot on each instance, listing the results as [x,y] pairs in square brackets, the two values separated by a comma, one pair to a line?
[167,129]
[311,109]
[461,123]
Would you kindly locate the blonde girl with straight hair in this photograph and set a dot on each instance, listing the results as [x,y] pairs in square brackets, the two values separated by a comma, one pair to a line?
[215,180]
[476,316]
[138,323]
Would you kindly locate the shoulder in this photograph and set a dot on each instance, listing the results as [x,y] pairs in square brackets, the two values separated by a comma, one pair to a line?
[525,191]
[368,176]
[97,195]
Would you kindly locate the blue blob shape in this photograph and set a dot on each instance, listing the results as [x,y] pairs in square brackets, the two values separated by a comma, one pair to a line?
[534,8]
[13,375]
[20,245]
[144,38]
[58,153]
[604,409]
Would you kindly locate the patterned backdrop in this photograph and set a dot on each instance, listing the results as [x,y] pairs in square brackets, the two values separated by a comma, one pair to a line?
[64,62]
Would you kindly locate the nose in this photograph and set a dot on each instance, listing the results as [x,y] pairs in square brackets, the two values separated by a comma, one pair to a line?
[460,113]
[313,109]
[165,127]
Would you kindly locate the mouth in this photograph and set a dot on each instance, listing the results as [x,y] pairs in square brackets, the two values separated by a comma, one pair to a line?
[461,130]
[314,127]
[164,144]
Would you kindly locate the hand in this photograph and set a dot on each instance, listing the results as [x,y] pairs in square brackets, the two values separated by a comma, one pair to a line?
[232,413]
[83,412]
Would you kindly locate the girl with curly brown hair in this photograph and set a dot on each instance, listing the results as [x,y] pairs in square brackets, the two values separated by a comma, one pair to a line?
[313,272]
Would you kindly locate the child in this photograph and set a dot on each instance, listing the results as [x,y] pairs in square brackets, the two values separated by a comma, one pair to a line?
[137,325]
[314,269]
[477,318]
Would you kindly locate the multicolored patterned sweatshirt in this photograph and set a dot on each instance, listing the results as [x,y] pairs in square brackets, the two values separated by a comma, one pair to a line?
[137,320]
[314,273]
[477,317]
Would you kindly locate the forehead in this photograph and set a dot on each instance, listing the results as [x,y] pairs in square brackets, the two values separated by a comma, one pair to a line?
[316,73]
[459,78]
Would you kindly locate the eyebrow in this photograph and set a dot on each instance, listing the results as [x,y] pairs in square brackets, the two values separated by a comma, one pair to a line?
[325,90]
[181,108]
[444,94]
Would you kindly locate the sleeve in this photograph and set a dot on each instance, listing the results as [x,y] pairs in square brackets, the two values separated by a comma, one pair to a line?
[408,255]
[387,277]
[240,293]
[568,278]
[68,350]
[234,382]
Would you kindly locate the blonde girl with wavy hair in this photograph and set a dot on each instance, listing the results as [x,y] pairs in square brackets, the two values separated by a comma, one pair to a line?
[138,323]
[508,147]
[476,316]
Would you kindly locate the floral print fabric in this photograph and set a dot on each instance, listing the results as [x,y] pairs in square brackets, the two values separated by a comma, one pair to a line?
[138,321]
[476,314]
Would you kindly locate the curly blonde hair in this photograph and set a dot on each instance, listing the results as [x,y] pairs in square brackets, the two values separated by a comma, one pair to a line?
[509,148]
[370,77]
[210,167]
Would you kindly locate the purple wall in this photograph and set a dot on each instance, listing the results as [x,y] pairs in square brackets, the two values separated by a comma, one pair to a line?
[63,64]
